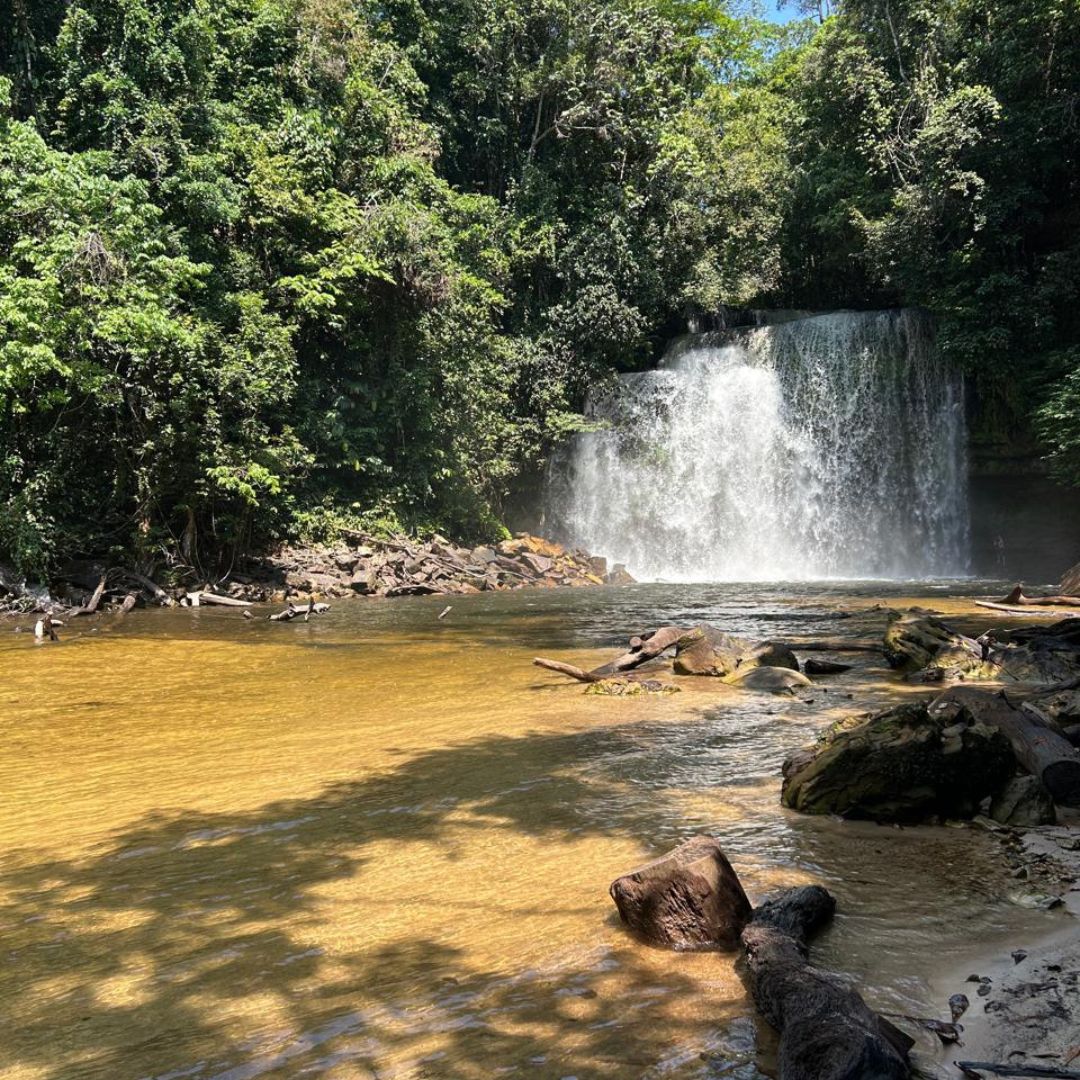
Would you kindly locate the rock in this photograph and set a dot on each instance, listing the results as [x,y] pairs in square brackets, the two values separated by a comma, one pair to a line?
[630,688]
[707,651]
[932,651]
[346,561]
[541,564]
[1023,802]
[689,898]
[598,566]
[813,666]
[958,1005]
[619,576]
[481,556]
[776,680]
[772,654]
[900,765]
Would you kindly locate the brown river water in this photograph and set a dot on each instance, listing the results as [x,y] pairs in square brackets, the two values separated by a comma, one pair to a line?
[379,844]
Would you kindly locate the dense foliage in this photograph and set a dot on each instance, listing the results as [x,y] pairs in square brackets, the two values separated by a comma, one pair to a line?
[267,266]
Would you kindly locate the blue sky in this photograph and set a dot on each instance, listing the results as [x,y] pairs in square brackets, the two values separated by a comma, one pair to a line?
[785,13]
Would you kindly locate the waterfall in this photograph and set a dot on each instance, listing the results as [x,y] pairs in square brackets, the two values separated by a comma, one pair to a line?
[830,446]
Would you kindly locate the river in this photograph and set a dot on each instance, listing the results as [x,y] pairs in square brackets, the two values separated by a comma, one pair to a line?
[378,844]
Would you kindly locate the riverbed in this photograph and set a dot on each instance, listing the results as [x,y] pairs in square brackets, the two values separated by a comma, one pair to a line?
[378,844]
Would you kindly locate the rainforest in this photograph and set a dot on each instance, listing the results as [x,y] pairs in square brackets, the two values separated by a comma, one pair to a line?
[274,268]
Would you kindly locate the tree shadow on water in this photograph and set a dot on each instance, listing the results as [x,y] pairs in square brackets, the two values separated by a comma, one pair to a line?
[189,946]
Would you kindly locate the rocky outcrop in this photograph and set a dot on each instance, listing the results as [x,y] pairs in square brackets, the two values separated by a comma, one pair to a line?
[928,650]
[689,898]
[902,765]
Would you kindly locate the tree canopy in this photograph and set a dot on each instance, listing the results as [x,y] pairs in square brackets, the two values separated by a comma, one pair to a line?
[272,266]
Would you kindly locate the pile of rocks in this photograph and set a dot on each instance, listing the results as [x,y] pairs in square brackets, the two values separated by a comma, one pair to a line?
[371,566]
[360,566]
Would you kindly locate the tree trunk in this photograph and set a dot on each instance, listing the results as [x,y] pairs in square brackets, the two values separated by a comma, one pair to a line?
[651,646]
[1039,749]
[567,669]
[827,1031]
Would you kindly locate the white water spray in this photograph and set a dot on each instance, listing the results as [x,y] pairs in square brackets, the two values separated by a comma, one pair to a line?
[827,447]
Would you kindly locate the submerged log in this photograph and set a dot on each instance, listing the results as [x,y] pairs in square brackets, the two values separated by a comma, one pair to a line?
[827,1031]
[835,645]
[1042,751]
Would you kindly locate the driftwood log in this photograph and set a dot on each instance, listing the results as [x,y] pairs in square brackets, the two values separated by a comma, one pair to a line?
[92,604]
[1017,598]
[652,644]
[293,612]
[1041,750]
[204,597]
[643,648]
[155,590]
[827,1031]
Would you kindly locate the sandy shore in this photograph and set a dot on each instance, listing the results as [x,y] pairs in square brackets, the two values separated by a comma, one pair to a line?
[1024,1003]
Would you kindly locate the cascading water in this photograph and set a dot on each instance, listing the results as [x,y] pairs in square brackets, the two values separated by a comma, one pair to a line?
[828,446]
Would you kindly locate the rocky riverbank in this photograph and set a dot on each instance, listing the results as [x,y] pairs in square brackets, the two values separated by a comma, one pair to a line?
[360,565]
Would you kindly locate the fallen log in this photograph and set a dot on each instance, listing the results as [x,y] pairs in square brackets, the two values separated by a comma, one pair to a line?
[827,1031]
[221,601]
[292,612]
[1018,599]
[92,605]
[1050,1072]
[1042,751]
[128,603]
[568,669]
[155,590]
[650,646]
[1026,611]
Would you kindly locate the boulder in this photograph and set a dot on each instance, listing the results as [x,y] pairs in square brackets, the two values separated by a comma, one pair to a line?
[619,576]
[1023,802]
[689,898]
[930,651]
[901,765]
[704,650]
[776,680]
[708,651]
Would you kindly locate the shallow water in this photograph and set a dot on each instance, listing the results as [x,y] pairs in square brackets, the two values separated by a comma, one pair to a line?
[379,844]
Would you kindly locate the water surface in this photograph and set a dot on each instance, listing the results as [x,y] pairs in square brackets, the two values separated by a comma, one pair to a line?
[379,844]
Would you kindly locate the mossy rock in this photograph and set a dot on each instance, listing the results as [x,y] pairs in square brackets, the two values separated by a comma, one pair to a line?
[902,765]
[630,688]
